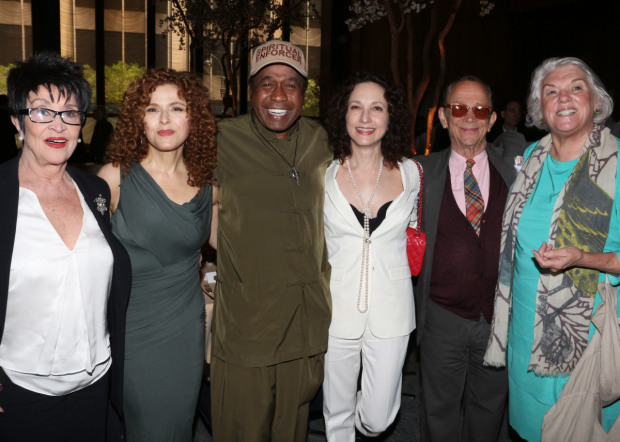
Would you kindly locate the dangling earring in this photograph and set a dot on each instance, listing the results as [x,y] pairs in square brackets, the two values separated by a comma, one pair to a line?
[596,111]
[79,140]
[20,138]
[542,121]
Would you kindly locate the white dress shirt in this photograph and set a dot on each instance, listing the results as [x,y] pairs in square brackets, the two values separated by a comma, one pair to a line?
[56,338]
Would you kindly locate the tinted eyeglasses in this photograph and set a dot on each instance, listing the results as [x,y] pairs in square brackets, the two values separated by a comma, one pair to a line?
[460,110]
[42,115]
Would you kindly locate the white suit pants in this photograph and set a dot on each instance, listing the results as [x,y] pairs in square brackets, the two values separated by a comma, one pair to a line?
[374,407]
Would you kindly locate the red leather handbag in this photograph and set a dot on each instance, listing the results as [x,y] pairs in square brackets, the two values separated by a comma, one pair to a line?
[416,240]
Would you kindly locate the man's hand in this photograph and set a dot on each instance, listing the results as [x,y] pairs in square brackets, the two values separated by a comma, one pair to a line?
[557,259]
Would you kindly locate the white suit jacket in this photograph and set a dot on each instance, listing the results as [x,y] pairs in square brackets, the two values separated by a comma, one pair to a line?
[390,295]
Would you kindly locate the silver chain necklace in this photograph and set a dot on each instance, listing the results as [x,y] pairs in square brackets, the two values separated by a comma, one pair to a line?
[366,240]
[294,172]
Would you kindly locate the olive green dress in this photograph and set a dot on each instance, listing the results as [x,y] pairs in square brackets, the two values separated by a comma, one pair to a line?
[164,348]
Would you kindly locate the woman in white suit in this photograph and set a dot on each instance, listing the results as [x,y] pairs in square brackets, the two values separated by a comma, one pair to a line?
[371,199]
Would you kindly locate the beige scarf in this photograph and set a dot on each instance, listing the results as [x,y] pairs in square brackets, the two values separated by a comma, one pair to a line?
[581,218]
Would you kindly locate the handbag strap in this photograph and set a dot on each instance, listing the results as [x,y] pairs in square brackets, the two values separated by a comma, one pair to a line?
[417,230]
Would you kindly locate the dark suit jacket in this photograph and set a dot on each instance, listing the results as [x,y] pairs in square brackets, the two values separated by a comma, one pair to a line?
[91,187]
[435,167]
[511,143]
[8,147]
[496,130]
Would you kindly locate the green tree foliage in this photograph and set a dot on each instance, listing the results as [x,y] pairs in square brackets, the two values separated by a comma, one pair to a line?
[118,77]
[311,105]
[91,76]
[4,72]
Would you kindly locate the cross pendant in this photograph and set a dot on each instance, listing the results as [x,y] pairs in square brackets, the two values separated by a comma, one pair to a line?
[295,174]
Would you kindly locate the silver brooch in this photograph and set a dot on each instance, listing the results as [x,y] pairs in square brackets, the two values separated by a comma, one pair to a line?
[101,207]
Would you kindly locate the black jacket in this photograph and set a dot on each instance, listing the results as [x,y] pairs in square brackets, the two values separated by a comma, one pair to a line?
[8,147]
[91,187]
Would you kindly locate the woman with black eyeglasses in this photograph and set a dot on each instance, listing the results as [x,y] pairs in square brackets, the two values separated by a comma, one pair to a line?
[64,277]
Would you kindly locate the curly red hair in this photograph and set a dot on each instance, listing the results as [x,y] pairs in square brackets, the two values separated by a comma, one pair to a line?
[129,145]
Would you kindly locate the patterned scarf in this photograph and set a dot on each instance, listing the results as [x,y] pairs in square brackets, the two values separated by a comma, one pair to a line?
[581,218]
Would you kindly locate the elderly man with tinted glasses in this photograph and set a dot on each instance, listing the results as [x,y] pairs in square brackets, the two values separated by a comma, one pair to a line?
[466,188]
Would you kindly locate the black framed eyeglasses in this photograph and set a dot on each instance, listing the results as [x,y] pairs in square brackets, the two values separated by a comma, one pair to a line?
[43,115]
[460,110]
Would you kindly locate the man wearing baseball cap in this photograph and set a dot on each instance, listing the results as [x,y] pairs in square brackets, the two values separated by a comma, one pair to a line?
[272,305]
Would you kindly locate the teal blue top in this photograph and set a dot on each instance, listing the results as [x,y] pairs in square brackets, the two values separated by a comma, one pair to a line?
[531,396]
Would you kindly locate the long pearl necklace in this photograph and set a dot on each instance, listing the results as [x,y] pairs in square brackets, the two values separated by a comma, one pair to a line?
[366,247]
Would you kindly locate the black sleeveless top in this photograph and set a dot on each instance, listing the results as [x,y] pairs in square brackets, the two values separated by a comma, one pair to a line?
[375,222]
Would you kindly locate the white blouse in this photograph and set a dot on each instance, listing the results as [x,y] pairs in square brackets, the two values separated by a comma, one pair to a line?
[56,338]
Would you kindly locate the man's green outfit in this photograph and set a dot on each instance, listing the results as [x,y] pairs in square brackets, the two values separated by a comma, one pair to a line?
[272,307]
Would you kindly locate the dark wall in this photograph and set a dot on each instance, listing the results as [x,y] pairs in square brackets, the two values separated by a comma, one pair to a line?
[503,47]
[45,25]
[589,30]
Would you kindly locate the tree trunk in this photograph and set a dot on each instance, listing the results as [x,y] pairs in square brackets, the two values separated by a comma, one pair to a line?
[442,74]
[196,58]
[226,74]
[244,70]
[232,81]
[235,64]
[394,33]
[286,24]
[193,36]
[196,40]
[426,68]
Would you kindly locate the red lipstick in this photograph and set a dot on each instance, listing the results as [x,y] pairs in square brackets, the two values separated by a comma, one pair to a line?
[165,132]
[56,142]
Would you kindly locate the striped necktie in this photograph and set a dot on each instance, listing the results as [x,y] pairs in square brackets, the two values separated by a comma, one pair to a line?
[473,198]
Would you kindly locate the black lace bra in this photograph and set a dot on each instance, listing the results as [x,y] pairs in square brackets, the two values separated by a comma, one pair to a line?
[374,222]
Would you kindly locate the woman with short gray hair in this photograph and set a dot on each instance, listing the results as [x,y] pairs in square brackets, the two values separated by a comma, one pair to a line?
[564,199]
[595,85]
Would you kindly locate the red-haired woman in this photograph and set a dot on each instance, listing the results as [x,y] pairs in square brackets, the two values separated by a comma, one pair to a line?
[160,173]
